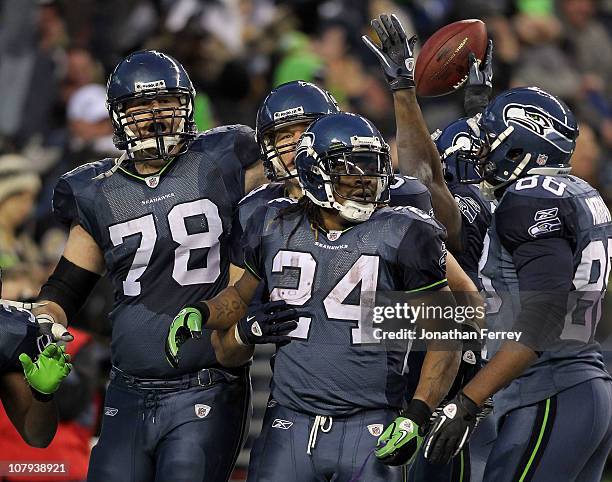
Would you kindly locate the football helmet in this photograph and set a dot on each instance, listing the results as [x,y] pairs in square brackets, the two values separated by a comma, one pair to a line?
[459,145]
[339,152]
[150,75]
[525,131]
[288,104]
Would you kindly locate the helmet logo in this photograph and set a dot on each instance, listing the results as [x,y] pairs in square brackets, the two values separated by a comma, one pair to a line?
[155,85]
[462,142]
[537,121]
[305,145]
[288,113]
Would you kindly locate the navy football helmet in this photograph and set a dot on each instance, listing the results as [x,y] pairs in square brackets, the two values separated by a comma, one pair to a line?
[150,75]
[459,145]
[336,149]
[291,103]
[525,131]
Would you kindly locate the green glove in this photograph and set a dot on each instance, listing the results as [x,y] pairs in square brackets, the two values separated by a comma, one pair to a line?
[187,324]
[400,442]
[47,372]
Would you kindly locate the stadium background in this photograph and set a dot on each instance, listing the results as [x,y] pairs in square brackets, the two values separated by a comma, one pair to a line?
[56,55]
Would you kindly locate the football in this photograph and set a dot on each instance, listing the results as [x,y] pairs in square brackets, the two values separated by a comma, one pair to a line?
[442,65]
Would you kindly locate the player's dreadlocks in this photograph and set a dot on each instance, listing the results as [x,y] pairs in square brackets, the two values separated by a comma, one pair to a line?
[304,207]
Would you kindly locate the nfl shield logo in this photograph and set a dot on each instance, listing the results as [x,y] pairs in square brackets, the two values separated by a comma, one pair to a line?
[201,410]
[333,235]
[450,410]
[541,159]
[375,429]
[152,181]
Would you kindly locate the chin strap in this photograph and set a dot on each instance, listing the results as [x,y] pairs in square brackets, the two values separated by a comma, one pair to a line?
[354,211]
[113,169]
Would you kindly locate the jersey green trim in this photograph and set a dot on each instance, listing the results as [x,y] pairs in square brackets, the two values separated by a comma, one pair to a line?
[252,271]
[425,288]
[537,446]
[461,458]
[144,178]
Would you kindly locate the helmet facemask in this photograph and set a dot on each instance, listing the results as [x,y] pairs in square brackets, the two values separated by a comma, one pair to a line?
[465,154]
[517,162]
[147,133]
[276,169]
[356,181]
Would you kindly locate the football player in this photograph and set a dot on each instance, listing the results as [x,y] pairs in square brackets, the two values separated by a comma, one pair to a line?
[417,154]
[29,405]
[456,142]
[547,267]
[157,220]
[332,391]
[282,118]
[435,164]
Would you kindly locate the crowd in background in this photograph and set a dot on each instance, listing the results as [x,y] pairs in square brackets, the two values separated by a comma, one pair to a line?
[56,55]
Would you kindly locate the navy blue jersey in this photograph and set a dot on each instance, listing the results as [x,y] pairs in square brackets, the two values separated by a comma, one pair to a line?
[535,213]
[405,191]
[165,240]
[475,220]
[328,369]
[258,197]
[18,334]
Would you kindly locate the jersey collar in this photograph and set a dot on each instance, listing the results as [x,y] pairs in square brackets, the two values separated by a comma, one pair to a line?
[151,180]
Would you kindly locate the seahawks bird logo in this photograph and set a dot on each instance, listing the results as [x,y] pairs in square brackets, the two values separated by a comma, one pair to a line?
[539,122]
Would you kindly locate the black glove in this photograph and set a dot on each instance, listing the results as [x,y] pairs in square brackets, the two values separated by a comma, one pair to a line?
[267,323]
[480,82]
[397,54]
[451,429]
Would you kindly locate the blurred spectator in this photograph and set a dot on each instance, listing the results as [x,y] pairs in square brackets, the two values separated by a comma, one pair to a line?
[90,129]
[299,61]
[542,61]
[585,36]
[586,158]
[80,69]
[89,122]
[20,258]
[30,37]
